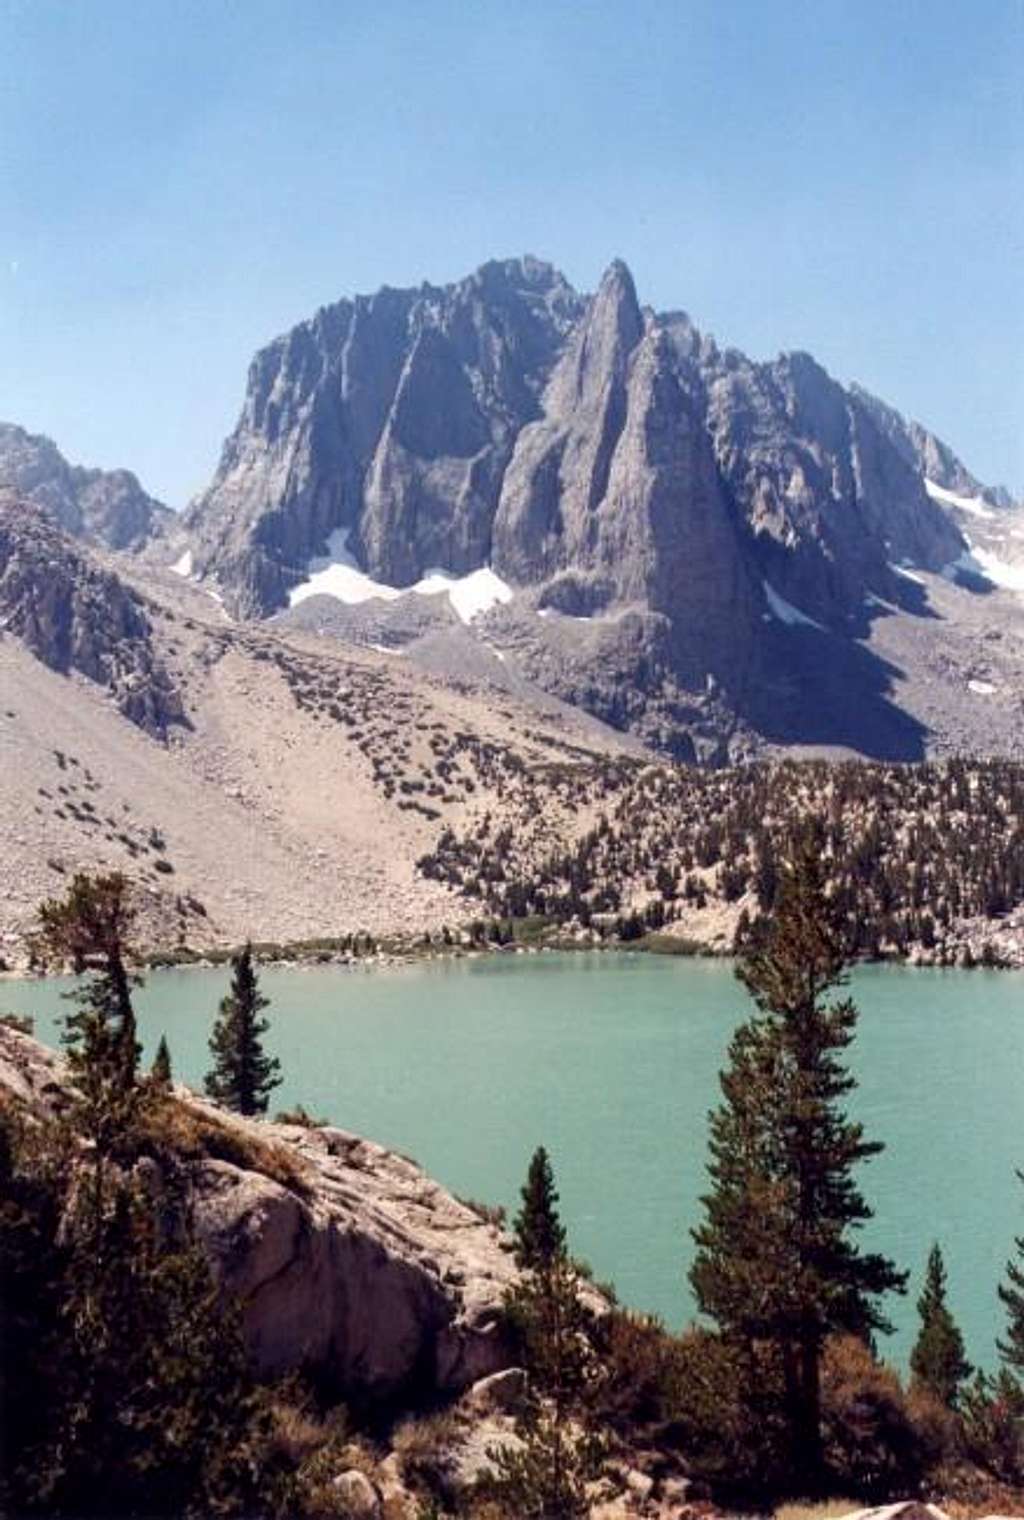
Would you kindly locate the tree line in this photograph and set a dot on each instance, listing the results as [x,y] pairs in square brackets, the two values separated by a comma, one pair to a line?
[912,851]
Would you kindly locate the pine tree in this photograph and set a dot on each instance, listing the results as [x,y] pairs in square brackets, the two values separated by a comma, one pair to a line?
[154,1406]
[993,1405]
[937,1360]
[548,1476]
[243,1077]
[775,1260]
[161,1069]
[91,928]
[540,1235]
[1011,1294]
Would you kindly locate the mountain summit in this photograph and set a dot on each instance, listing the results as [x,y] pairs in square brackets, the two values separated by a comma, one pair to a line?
[668,521]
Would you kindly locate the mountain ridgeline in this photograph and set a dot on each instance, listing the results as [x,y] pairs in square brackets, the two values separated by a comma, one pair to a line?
[106,508]
[719,558]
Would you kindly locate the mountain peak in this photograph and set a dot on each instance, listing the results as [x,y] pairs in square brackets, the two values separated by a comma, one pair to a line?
[645,489]
[618,286]
[107,507]
[614,325]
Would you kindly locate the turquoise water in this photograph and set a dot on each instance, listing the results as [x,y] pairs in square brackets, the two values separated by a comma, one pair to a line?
[610,1060]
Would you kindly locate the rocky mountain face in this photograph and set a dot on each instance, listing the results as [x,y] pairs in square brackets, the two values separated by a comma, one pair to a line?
[105,507]
[73,614]
[393,416]
[671,518]
[926,454]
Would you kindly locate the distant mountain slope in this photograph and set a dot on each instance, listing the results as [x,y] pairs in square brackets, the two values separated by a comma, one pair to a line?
[668,522]
[294,801]
[106,507]
[73,614]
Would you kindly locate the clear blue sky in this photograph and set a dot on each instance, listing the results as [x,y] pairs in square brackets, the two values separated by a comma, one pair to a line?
[180,180]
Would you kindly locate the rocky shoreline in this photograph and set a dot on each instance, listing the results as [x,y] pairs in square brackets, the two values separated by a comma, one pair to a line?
[992,945]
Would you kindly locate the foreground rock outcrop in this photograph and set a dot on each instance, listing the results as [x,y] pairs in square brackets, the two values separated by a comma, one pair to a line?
[346,1258]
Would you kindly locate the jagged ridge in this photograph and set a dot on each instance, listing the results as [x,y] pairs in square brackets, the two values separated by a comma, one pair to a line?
[104,507]
[75,615]
[611,464]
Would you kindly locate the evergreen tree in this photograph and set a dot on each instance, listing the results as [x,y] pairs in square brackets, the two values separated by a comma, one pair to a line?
[160,1071]
[154,1408]
[91,927]
[937,1360]
[1011,1293]
[775,1260]
[547,1477]
[539,1233]
[243,1077]
[993,1405]
[30,1276]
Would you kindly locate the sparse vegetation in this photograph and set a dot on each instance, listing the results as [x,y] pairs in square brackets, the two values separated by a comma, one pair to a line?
[919,859]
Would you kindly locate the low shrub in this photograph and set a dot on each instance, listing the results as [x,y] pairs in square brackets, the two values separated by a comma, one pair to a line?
[491,1213]
[873,1446]
[173,1126]
[993,1425]
[425,1452]
[641,1367]
[300,1116]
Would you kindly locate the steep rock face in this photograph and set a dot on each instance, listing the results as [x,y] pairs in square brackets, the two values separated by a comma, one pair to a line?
[106,507]
[391,416]
[74,615]
[362,1267]
[924,453]
[559,473]
[614,498]
[828,501]
[375,1274]
[645,492]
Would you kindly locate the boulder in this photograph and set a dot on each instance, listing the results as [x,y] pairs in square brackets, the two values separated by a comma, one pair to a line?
[905,1509]
[357,1494]
[501,1393]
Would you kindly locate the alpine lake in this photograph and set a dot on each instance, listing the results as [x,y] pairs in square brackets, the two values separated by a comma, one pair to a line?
[610,1060]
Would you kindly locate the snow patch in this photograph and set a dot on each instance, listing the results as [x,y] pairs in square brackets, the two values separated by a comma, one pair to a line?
[983,562]
[183,566]
[972,504]
[908,575]
[1011,577]
[965,561]
[337,574]
[983,688]
[572,617]
[785,612]
[470,595]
